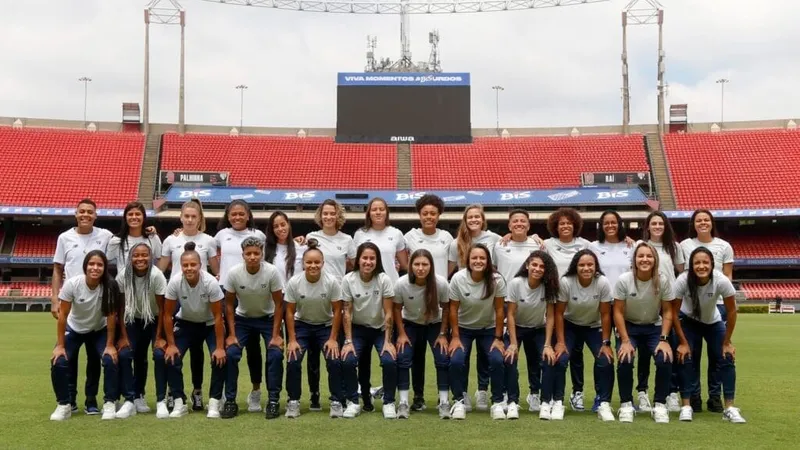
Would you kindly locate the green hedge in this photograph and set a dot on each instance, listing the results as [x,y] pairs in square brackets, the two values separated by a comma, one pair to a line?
[753,309]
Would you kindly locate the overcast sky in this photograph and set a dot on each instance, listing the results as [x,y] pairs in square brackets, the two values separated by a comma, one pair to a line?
[559,66]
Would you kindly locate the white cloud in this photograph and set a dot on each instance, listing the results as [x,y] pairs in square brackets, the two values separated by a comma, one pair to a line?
[560,66]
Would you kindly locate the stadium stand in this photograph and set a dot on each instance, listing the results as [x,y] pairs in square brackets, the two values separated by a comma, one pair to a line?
[768,291]
[35,244]
[284,162]
[46,167]
[524,162]
[772,245]
[735,169]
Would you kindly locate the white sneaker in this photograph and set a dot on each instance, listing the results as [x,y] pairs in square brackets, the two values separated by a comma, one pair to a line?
[513,411]
[444,410]
[109,411]
[733,415]
[604,412]
[482,400]
[141,405]
[557,410]
[673,402]
[254,401]
[336,410]
[534,403]
[626,412]
[497,412]
[467,402]
[352,410]
[687,414]
[162,412]
[128,409]
[213,409]
[62,412]
[505,402]
[292,409]
[179,409]
[576,401]
[644,402]
[376,393]
[544,411]
[403,411]
[458,411]
[389,411]
[660,413]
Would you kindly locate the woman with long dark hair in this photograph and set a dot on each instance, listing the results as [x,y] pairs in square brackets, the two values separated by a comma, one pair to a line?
[378,230]
[612,247]
[696,291]
[132,231]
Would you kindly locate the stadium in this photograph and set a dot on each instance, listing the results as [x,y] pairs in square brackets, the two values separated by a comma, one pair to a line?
[404,130]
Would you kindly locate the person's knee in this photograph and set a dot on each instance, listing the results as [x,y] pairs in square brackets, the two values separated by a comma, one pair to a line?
[234,353]
[626,365]
[661,361]
[602,362]
[333,363]
[459,359]
[404,358]
[274,355]
[108,361]
[126,354]
[61,363]
[387,362]
[495,359]
[350,361]
[441,359]
[563,361]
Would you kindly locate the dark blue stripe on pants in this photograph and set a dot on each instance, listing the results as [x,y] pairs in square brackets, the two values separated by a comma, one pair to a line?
[365,338]
[422,336]
[644,339]
[250,329]
[306,334]
[458,363]
[188,334]
[60,371]
[714,335]
[576,336]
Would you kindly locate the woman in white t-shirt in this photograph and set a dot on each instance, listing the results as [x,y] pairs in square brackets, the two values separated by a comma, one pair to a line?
[314,319]
[143,287]
[477,313]
[280,249]
[613,247]
[390,241]
[368,297]
[338,247]
[236,225]
[88,314]
[696,291]
[199,320]
[131,232]
[643,318]
[583,316]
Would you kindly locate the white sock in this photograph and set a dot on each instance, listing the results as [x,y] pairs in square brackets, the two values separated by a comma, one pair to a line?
[444,397]
[404,397]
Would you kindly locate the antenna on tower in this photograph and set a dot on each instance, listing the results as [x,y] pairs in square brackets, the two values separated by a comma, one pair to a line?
[372,44]
[434,63]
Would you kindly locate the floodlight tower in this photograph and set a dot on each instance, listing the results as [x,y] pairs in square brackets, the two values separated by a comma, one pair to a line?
[649,12]
[163,12]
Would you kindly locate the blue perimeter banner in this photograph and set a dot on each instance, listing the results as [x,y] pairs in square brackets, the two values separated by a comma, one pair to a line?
[739,213]
[402,79]
[26,261]
[553,198]
[59,211]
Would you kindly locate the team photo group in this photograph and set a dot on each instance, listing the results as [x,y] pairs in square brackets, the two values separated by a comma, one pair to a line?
[332,300]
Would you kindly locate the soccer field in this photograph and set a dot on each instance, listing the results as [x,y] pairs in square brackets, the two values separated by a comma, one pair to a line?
[768,363]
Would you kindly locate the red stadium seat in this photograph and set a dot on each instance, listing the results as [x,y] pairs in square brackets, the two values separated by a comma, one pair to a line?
[524,162]
[735,170]
[768,291]
[46,167]
[773,245]
[281,162]
[37,244]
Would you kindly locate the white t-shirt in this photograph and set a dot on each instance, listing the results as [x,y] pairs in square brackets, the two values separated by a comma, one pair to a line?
[229,244]
[118,254]
[254,291]
[313,300]
[206,247]
[367,298]
[336,249]
[195,301]
[721,249]
[389,240]
[71,249]
[615,259]
[438,244]
[531,305]
[665,264]
[475,312]
[412,297]
[562,253]
[158,286]
[86,314]
[280,260]
[487,238]
[642,305]
[583,303]
[720,287]
[510,257]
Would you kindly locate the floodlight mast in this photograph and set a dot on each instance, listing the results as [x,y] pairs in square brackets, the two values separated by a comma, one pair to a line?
[164,12]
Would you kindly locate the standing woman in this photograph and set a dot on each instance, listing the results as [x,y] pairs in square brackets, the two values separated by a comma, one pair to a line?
[143,288]
[132,232]
[338,248]
[421,317]
[368,322]
[532,295]
[236,225]
[437,242]
[703,233]
[643,317]
[389,239]
[696,291]
[612,246]
[583,316]
[257,287]
[509,256]
[199,320]
[87,316]
[477,294]
[313,315]
[193,230]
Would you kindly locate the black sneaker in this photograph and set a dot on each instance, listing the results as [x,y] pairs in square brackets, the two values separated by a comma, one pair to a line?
[229,410]
[74,407]
[315,405]
[170,402]
[90,407]
[197,400]
[419,404]
[368,406]
[273,410]
[714,404]
[697,403]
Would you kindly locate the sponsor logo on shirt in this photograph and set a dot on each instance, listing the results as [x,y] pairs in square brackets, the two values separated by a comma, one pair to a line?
[241,287]
[302,296]
[82,300]
[376,292]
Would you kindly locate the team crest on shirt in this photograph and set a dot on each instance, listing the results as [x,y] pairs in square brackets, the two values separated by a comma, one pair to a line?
[241,287]
[302,296]
[710,294]
[74,245]
[358,295]
[264,286]
[632,294]
[204,296]
[390,238]
[324,295]
[184,297]
[376,292]
[338,247]
[595,297]
[575,298]
[81,300]
[98,242]
[229,238]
